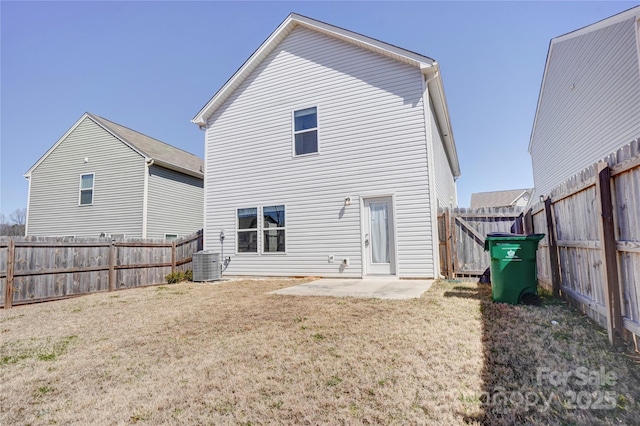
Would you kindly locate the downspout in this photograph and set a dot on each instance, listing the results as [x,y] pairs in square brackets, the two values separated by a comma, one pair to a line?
[145,196]
[204,191]
[26,220]
[426,106]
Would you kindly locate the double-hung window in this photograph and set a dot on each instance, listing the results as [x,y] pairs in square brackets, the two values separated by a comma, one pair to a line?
[305,131]
[247,231]
[86,189]
[273,229]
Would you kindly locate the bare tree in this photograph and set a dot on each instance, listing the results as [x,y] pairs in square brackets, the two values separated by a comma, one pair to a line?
[18,219]
[4,226]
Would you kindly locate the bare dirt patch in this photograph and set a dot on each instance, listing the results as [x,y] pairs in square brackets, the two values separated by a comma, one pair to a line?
[232,354]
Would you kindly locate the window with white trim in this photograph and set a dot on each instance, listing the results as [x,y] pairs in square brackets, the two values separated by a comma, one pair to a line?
[170,237]
[305,131]
[86,189]
[247,230]
[273,229]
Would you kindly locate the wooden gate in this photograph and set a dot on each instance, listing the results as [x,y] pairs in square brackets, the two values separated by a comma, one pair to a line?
[462,233]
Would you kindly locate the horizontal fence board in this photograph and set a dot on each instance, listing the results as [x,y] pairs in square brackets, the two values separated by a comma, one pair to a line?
[579,224]
[50,268]
[469,228]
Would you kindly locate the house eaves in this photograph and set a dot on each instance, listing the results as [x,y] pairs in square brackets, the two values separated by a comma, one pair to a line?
[620,17]
[160,153]
[428,66]
[152,150]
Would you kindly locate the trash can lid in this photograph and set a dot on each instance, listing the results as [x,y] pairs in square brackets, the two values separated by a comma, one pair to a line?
[515,236]
[505,236]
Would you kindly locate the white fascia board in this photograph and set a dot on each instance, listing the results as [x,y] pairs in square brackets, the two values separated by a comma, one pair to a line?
[68,132]
[117,136]
[540,94]
[285,28]
[165,165]
[436,89]
[518,197]
[27,174]
[620,17]
[634,12]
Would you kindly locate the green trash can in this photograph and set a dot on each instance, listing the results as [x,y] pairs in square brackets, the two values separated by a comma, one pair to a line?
[513,266]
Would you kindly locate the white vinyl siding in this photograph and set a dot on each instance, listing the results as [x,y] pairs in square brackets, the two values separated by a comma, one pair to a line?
[174,203]
[445,185]
[589,104]
[117,198]
[373,143]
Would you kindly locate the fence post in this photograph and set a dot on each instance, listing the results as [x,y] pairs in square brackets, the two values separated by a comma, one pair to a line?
[528,222]
[553,249]
[173,257]
[112,264]
[8,286]
[449,241]
[615,327]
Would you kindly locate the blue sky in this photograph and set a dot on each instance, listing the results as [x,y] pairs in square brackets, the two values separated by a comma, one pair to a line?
[151,66]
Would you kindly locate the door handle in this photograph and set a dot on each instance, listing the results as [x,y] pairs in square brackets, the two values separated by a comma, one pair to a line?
[366,239]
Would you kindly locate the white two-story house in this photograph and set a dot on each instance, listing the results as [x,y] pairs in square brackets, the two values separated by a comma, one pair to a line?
[327,154]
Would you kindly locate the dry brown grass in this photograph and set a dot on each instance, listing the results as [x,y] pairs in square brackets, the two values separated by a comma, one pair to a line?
[232,354]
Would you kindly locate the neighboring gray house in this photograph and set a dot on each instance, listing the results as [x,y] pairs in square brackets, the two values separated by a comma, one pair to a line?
[509,198]
[328,153]
[104,178]
[589,104]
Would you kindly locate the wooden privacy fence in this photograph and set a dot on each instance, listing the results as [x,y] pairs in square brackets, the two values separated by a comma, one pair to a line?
[462,233]
[38,269]
[591,253]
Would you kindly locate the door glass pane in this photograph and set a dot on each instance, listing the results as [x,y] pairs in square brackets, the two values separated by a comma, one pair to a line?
[379,232]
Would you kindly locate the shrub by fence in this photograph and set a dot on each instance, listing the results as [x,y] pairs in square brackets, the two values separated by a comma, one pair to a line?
[591,253]
[38,269]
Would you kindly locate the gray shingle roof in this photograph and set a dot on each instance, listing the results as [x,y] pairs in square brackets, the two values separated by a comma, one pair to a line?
[153,148]
[496,198]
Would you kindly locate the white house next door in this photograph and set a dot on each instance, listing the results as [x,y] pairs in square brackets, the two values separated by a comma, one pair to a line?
[378,236]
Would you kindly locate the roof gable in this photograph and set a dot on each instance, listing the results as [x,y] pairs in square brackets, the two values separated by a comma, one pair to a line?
[633,13]
[160,152]
[497,198]
[428,66]
[151,149]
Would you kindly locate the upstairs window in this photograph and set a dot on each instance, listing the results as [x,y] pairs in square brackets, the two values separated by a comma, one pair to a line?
[86,189]
[247,230]
[273,229]
[305,131]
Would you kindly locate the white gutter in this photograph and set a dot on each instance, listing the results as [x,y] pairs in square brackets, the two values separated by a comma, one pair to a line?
[26,220]
[145,195]
[426,109]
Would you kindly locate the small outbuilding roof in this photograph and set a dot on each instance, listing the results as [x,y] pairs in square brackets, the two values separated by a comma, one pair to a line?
[428,66]
[497,198]
[161,153]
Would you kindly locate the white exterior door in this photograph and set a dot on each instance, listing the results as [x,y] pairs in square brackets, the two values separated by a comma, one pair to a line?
[379,240]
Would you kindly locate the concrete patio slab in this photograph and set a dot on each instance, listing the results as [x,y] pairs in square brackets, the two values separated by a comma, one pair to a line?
[377,288]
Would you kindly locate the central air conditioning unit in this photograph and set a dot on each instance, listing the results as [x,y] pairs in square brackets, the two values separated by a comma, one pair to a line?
[206,266]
